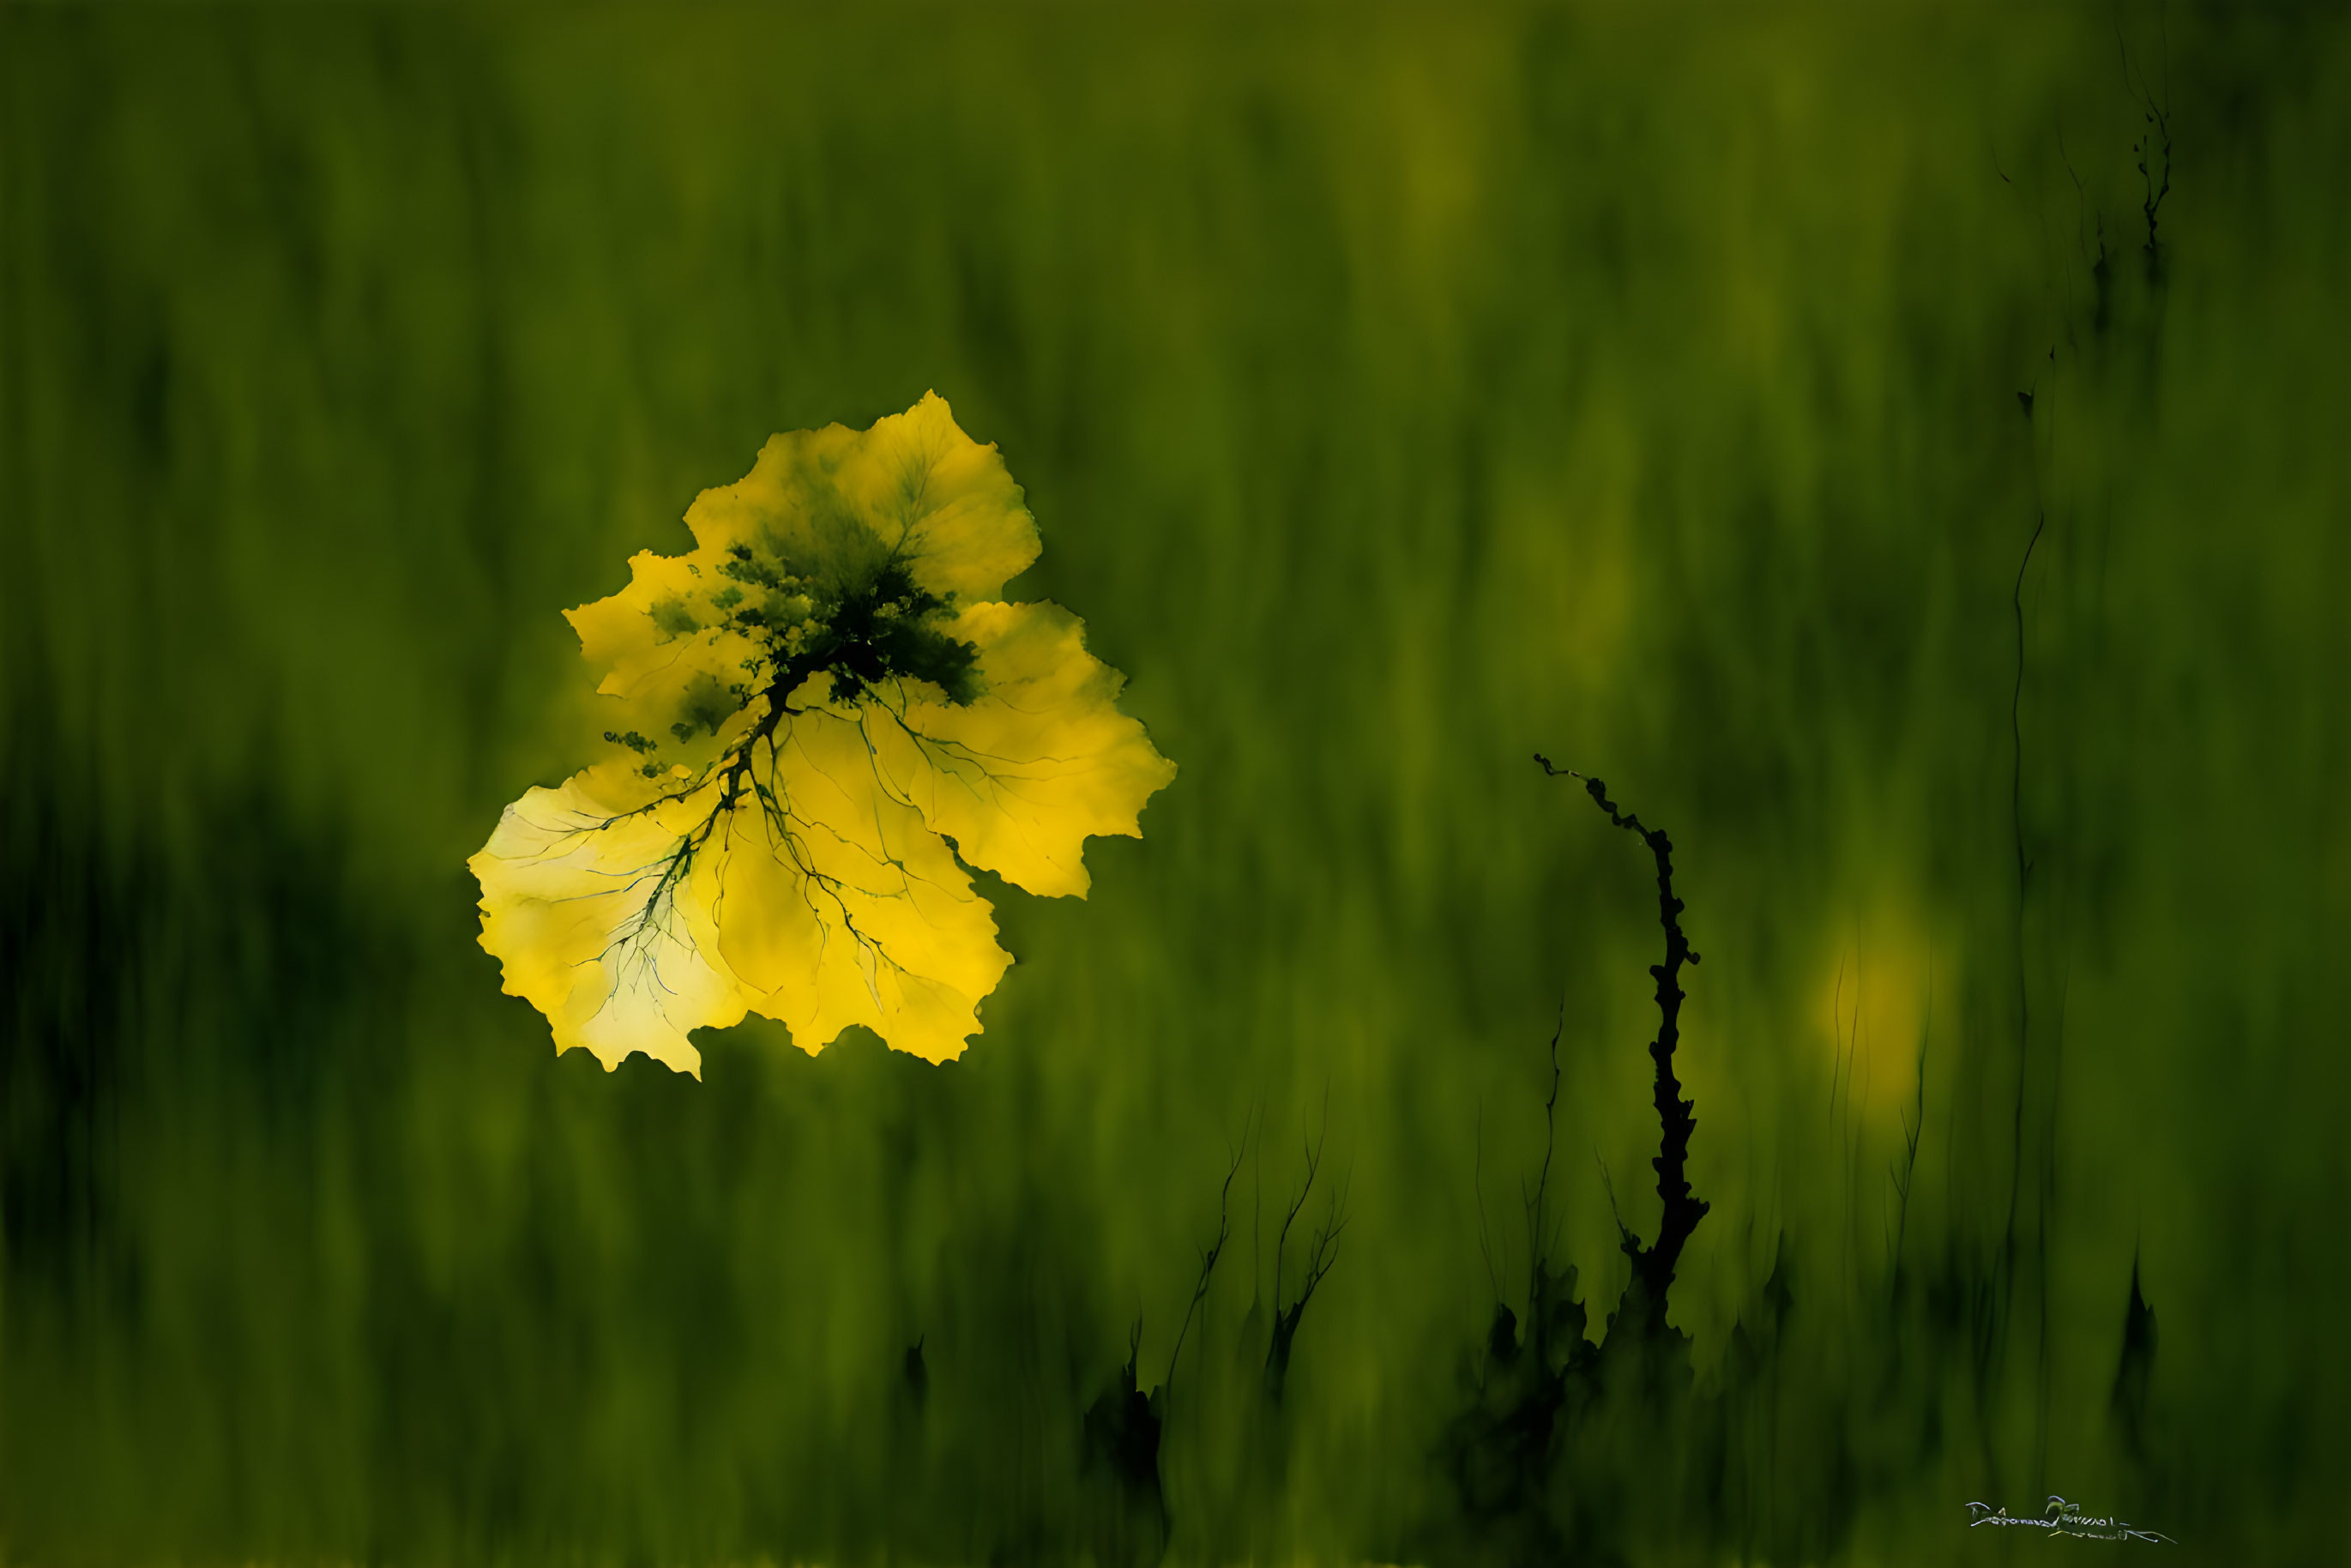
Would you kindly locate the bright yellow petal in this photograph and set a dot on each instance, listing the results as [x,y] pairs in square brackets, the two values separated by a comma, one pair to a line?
[675,674]
[1044,760]
[836,502]
[948,503]
[852,911]
[577,907]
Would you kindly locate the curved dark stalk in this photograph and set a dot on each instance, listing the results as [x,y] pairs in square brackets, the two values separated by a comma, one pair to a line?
[1209,1256]
[1654,1265]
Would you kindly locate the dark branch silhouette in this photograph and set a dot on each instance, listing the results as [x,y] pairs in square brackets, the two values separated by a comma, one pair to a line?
[1538,1235]
[1653,1266]
[2156,142]
[1123,1429]
[1321,1255]
[1531,1404]
[1209,1256]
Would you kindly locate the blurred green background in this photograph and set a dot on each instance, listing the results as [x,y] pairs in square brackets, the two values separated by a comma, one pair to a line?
[1398,393]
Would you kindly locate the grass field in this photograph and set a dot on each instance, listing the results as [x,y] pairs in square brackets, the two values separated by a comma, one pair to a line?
[1812,422]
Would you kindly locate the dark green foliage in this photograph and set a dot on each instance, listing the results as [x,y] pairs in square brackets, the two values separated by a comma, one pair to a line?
[889,630]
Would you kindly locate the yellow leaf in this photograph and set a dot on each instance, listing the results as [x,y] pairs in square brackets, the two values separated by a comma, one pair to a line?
[813,714]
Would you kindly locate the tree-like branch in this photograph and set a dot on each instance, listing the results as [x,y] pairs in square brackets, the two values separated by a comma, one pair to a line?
[1653,1266]
[1321,1255]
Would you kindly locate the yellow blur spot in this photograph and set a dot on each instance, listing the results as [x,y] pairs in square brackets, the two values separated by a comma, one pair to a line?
[1871,1006]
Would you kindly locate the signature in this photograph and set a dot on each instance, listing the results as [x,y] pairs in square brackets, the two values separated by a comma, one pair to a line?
[2066,1518]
